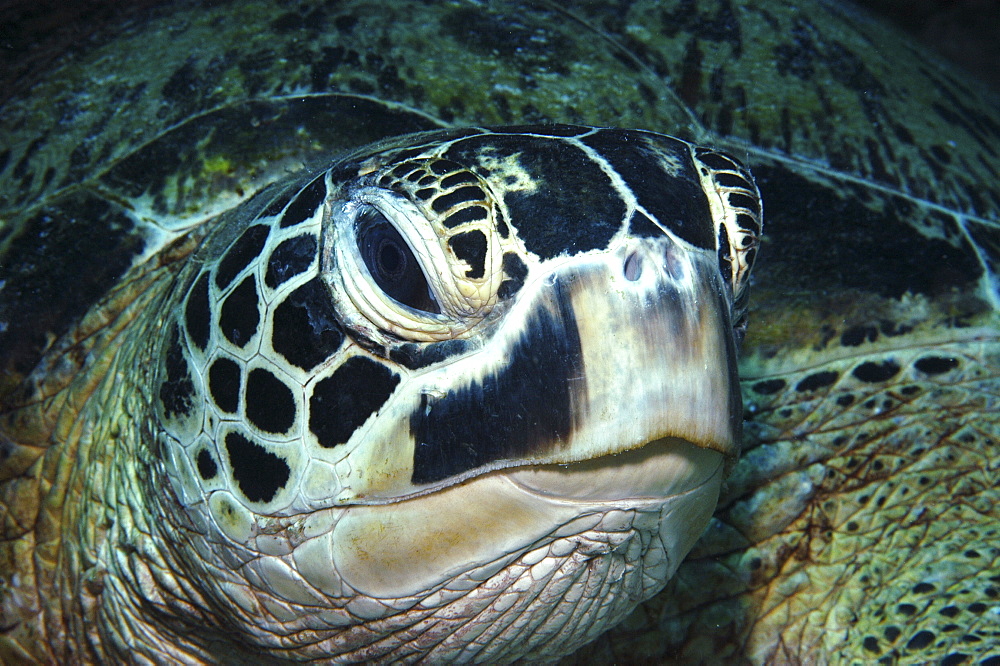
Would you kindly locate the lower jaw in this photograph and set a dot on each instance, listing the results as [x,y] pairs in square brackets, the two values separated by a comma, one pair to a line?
[397,550]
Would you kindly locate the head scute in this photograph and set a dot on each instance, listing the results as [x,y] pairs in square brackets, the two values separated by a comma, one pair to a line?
[736,206]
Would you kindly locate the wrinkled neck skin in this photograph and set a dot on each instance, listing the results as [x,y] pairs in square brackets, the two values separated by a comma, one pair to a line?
[122,588]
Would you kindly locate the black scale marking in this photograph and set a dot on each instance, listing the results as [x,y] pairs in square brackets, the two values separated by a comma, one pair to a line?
[259,473]
[270,404]
[224,377]
[197,313]
[725,258]
[245,249]
[305,204]
[717,161]
[743,201]
[935,365]
[238,318]
[207,466]
[747,223]
[471,248]
[459,178]
[305,329]
[291,257]
[732,180]
[177,391]
[769,386]
[874,372]
[442,167]
[501,224]
[817,380]
[341,403]
[515,271]
[469,214]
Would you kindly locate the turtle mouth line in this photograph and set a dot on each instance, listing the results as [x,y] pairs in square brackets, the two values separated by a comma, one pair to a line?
[660,469]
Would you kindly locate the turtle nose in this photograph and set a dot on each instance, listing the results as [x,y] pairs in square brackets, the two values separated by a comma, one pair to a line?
[661,257]
[633,266]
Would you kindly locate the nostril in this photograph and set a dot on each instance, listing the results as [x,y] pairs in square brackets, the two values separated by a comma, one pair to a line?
[633,267]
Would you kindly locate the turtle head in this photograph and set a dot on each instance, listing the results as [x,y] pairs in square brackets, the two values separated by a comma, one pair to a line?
[478,373]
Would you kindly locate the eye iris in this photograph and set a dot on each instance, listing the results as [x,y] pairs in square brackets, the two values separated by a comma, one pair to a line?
[391,263]
[390,258]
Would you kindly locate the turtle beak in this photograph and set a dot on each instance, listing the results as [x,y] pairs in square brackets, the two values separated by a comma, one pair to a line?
[602,354]
[654,354]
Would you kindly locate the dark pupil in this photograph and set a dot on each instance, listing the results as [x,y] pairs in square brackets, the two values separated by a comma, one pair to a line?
[391,262]
[390,257]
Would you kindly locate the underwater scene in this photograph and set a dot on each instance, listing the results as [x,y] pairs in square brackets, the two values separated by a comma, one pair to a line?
[652,331]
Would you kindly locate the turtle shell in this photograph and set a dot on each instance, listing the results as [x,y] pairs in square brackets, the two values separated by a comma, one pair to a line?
[871,362]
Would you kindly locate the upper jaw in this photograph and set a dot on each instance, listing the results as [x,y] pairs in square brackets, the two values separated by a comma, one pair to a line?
[606,353]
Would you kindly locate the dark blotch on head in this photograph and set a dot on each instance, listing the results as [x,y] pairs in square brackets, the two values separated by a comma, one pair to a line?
[239,255]
[640,226]
[239,317]
[305,329]
[259,473]
[677,199]
[207,466]
[197,313]
[269,402]
[342,402]
[521,409]
[574,208]
[769,386]
[177,390]
[290,258]
[224,384]
[935,365]
[874,372]
[471,247]
[516,270]
[305,204]
[817,380]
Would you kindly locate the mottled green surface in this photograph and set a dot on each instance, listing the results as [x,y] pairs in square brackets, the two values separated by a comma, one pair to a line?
[847,528]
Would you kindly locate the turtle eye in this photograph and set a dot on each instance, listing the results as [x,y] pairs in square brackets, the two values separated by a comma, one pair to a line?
[391,262]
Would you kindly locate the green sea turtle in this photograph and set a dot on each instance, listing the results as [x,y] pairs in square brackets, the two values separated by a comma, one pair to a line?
[279,386]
